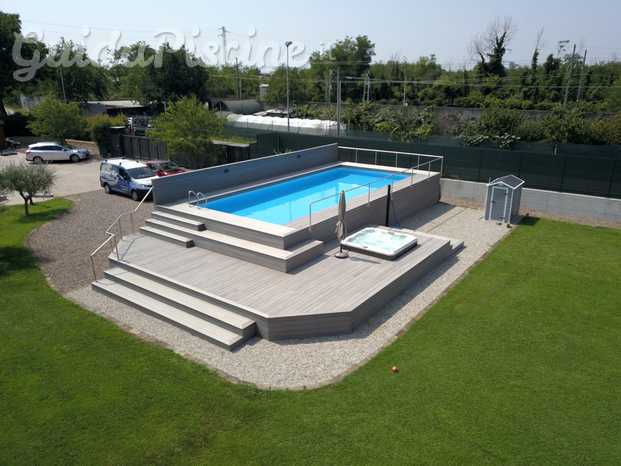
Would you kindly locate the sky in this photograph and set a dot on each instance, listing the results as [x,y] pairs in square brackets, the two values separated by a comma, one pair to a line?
[399,28]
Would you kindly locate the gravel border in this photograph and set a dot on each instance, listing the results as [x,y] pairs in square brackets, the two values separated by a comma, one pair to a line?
[311,363]
[64,245]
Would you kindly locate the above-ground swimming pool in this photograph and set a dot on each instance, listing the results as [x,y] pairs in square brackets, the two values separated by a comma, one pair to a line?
[283,202]
[383,242]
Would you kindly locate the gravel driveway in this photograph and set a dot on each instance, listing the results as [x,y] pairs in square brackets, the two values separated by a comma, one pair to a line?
[71,178]
[64,246]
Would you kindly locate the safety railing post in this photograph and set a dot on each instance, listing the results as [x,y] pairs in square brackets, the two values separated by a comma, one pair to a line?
[116,247]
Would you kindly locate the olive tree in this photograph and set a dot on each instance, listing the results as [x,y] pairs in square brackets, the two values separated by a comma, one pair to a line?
[27,180]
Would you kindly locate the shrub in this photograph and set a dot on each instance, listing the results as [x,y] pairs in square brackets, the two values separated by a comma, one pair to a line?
[495,120]
[27,180]
[404,124]
[187,128]
[531,130]
[567,126]
[607,130]
[99,129]
[496,124]
[55,119]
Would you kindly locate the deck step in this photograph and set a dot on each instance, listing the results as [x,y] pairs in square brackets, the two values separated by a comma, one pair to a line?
[178,220]
[200,327]
[278,259]
[171,295]
[168,236]
[241,227]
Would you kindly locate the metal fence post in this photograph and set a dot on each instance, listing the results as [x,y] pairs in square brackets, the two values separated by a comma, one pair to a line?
[615,163]
[560,188]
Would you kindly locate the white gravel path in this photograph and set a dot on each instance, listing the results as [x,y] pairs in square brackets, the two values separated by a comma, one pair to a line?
[299,364]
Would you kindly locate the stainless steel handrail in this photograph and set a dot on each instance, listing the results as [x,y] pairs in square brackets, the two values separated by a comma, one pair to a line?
[367,185]
[198,197]
[114,236]
[411,170]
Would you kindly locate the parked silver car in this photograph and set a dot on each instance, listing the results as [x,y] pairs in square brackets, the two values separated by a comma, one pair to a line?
[52,152]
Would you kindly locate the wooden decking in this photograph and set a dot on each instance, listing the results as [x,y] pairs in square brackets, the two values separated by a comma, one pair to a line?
[326,285]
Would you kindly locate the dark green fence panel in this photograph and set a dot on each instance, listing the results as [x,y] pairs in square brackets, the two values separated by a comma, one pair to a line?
[494,164]
[541,171]
[461,165]
[591,170]
[615,180]
[590,176]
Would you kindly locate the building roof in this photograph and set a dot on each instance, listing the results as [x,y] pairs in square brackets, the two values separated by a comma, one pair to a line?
[117,103]
[125,163]
[42,144]
[510,181]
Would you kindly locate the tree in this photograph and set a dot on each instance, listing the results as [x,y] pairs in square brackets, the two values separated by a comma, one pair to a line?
[188,128]
[277,92]
[82,79]
[491,47]
[351,56]
[10,25]
[55,119]
[27,180]
[613,100]
[163,75]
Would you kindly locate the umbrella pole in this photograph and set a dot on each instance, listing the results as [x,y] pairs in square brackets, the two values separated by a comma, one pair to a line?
[341,254]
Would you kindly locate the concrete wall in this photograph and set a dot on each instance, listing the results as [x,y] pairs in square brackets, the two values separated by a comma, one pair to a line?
[175,188]
[591,210]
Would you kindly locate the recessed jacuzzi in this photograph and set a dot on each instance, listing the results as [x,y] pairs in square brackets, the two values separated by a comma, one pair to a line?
[387,243]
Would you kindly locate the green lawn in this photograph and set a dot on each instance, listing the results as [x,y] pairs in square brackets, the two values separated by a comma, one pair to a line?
[519,363]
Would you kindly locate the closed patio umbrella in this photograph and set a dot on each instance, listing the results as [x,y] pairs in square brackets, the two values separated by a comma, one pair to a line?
[341,227]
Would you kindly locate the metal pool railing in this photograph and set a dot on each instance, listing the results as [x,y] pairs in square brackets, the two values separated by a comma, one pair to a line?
[411,170]
[396,154]
[114,236]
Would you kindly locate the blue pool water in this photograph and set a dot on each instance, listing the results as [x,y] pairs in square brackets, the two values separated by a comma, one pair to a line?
[286,201]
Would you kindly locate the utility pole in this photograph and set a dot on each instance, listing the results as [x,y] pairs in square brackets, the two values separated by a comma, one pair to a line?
[329,98]
[239,86]
[327,88]
[582,76]
[223,35]
[366,92]
[405,79]
[62,84]
[338,102]
[569,72]
[288,44]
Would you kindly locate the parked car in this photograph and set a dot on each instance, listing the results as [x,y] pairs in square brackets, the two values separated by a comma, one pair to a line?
[165,167]
[126,177]
[12,143]
[53,152]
